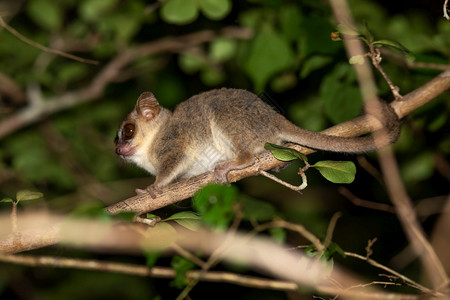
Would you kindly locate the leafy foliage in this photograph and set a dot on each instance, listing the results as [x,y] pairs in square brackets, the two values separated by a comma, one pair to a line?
[23,195]
[215,204]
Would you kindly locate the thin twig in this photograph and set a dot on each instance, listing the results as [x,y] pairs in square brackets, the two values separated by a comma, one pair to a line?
[330,229]
[293,227]
[368,248]
[43,48]
[284,183]
[147,221]
[139,270]
[446,10]
[399,59]
[369,168]
[365,203]
[387,269]
[375,55]
[188,255]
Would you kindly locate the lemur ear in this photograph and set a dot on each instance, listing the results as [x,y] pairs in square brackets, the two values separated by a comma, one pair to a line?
[147,106]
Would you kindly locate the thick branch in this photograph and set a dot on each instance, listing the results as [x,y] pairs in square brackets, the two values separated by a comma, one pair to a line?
[361,125]
[290,267]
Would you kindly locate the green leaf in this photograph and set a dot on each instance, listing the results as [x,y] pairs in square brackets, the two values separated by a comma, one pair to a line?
[7,200]
[93,10]
[91,209]
[72,72]
[151,216]
[270,53]
[395,45]
[214,202]
[25,195]
[345,29]
[46,13]
[283,82]
[315,37]
[420,167]
[187,219]
[290,21]
[190,224]
[150,258]
[336,171]
[215,9]
[356,60]
[334,248]
[341,96]
[222,49]
[314,63]
[181,265]
[191,63]
[284,153]
[212,76]
[256,210]
[179,12]
[183,215]
[278,234]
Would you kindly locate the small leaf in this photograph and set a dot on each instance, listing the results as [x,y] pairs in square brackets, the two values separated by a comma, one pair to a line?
[284,153]
[181,265]
[47,14]
[256,210]
[270,53]
[357,60]
[25,195]
[214,202]
[91,209]
[397,46]
[150,258]
[334,248]
[183,215]
[187,219]
[345,29]
[190,224]
[337,171]
[215,9]
[212,76]
[313,63]
[278,234]
[179,12]
[7,200]
[191,63]
[392,44]
[93,10]
[222,49]
[151,216]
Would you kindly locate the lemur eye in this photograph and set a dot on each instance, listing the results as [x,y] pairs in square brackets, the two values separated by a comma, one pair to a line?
[128,131]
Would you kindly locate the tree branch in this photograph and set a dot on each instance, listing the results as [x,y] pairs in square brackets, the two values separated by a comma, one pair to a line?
[154,272]
[43,48]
